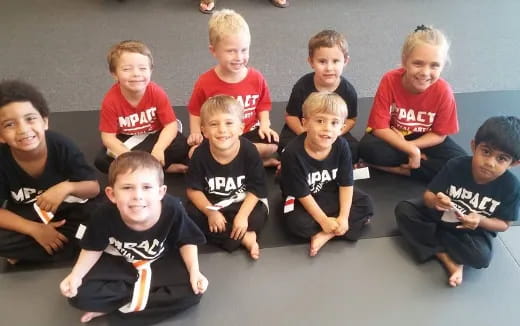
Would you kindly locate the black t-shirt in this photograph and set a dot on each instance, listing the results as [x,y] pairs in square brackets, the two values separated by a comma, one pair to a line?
[64,162]
[305,86]
[107,231]
[499,198]
[303,175]
[245,173]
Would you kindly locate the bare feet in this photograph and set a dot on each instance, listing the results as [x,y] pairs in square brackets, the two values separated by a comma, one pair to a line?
[400,170]
[88,316]
[249,242]
[206,6]
[270,162]
[319,240]
[177,168]
[454,270]
[12,261]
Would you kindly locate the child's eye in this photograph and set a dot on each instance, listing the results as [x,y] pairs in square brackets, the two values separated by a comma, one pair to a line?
[229,123]
[8,125]
[335,123]
[320,121]
[126,187]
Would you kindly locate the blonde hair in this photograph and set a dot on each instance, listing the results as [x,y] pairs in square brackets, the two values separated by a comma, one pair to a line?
[325,102]
[224,23]
[221,104]
[132,161]
[328,39]
[117,50]
[425,35]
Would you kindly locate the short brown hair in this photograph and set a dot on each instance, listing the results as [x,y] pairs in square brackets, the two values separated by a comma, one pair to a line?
[327,39]
[117,50]
[221,104]
[325,102]
[132,161]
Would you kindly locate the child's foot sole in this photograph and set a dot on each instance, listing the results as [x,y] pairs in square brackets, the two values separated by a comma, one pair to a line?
[88,316]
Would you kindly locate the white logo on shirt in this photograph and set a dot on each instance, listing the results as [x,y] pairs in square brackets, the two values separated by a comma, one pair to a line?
[25,195]
[225,186]
[143,118]
[317,179]
[480,204]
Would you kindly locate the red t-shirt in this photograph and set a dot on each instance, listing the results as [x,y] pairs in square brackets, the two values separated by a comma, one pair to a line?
[432,110]
[151,114]
[252,92]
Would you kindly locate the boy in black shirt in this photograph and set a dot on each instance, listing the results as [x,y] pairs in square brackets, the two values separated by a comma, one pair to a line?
[470,200]
[139,253]
[226,180]
[328,56]
[317,180]
[44,180]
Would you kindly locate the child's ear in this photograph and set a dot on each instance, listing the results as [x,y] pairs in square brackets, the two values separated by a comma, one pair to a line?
[46,123]
[109,191]
[113,74]
[242,126]
[304,123]
[211,49]
[473,146]
[347,60]
[309,60]
[162,191]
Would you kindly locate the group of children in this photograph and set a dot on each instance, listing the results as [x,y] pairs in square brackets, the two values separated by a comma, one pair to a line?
[139,248]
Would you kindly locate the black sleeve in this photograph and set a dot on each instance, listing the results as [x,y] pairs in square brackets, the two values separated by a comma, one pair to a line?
[345,173]
[184,230]
[294,180]
[352,100]
[255,172]
[96,235]
[4,183]
[72,159]
[510,206]
[294,106]
[195,175]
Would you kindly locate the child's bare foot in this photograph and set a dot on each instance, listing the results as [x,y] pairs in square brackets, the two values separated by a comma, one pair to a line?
[270,162]
[177,168]
[12,261]
[88,316]
[454,270]
[319,240]
[249,242]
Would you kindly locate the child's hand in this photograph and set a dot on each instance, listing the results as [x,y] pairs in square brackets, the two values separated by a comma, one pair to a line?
[48,237]
[69,286]
[217,222]
[443,202]
[239,228]
[329,225]
[264,131]
[195,139]
[199,283]
[470,221]
[159,155]
[414,159]
[342,226]
[51,198]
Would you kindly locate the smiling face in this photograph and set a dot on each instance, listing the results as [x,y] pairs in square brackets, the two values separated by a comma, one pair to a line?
[423,67]
[232,53]
[489,163]
[328,64]
[222,131]
[133,72]
[137,195]
[322,130]
[22,127]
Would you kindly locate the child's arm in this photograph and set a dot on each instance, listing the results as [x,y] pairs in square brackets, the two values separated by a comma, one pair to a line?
[87,258]
[113,144]
[427,140]
[345,202]
[328,224]
[51,198]
[349,124]
[265,127]
[195,136]
[199,283]
[295,124]
[167,135]
[395,139]
[45,234]
[241,219]
[216,221]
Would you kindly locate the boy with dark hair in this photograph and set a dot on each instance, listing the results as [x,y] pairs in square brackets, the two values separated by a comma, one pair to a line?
[317,177]
[139,253]
[470,200]
[136,113]
[328,57]
[226,181]
[44,180]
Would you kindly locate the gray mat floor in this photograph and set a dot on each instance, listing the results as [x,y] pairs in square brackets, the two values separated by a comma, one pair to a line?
[372,282]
